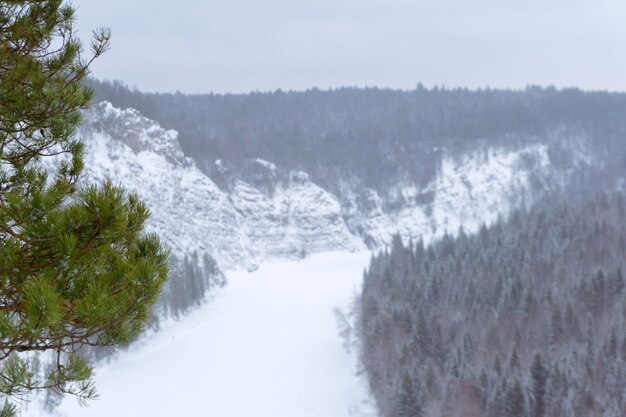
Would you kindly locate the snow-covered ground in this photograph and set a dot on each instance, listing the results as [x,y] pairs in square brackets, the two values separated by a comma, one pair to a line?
[266,346]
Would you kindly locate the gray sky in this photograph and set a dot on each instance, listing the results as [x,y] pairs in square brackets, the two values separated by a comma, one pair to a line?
[245,45]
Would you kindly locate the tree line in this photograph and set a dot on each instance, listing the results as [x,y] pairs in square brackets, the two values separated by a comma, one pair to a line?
[373,137]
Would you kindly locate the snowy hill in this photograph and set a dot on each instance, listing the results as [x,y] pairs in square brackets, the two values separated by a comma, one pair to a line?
[265,212]
[192,214]
[467,192]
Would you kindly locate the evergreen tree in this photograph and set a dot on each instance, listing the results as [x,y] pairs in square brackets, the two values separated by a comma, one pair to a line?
[539,380]
[514,362]
[409,401]
[498,406]
[570,320]
[497,365]
[556,323]
[76,267]
[516,403]
[611,349]
[484,389]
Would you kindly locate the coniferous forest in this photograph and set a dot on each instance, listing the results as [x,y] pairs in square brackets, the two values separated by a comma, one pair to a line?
[377,137]
[525,318]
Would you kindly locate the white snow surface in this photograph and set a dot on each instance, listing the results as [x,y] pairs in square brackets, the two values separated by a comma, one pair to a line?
[266,346]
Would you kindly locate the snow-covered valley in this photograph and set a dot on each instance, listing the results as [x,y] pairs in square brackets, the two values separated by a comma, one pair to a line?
[267,345]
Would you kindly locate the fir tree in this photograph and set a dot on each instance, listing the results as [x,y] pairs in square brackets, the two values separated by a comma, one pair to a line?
[556,323]
[484,389]
[409,401]
[497,365]
[514,362]
[516,403]
[539,381]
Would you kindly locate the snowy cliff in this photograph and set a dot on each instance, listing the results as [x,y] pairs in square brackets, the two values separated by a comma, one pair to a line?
[191,213]
[265,212]
[467,192]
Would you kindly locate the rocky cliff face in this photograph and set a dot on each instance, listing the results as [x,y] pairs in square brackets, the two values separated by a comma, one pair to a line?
[468,191]
[259,212]
[239,226]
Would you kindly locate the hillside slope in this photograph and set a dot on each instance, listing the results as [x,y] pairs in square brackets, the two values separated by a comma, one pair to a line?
[243,215]
[526,317]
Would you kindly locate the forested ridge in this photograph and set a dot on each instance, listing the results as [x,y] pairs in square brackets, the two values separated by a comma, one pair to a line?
[525,318]
[375,137]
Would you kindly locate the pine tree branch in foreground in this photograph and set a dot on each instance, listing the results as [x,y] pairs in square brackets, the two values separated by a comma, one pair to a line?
[76,267]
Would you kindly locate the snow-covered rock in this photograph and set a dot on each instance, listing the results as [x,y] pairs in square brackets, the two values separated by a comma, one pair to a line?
[469,190]
[299,217]
[238,227]
[262,212]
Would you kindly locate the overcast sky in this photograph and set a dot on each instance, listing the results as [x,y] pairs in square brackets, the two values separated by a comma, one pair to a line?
[202,46]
